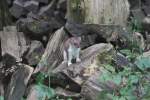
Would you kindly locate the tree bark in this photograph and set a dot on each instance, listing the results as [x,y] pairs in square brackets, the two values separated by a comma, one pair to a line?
[98,11]
[4,14]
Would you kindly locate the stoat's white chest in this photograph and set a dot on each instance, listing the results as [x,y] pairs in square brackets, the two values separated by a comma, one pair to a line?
[73,50]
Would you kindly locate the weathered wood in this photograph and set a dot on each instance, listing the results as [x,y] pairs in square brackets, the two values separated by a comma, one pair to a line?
[52,56]
[13,43]
[89,58]
[1,88]
[43,1]
[5,18]
[35,52]
[65,94]
[33,94]
[146,23]
[17,9]
[19,80]
[31,6]
[47,10]
[99,11]
[92,88]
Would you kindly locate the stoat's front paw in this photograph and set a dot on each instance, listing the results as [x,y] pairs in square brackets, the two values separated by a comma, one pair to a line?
[69,63]
[78,60]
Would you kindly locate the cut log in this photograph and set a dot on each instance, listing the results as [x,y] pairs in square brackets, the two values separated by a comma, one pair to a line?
[33,94]
[92,88]
[104,11]
[89,60]
[31,6]
[147,2]
[35,52]
[62,93]
[17,9]
[19,80]
[105,32]
[7,66]
[62,4]
[146,23]
[146,10]
[1,88]
[52,56]
[48,10]
[135,4]
[13,43]
[43,1]
[36,28]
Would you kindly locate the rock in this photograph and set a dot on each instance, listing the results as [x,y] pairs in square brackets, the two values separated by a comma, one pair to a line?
[60,17]
[48,10]
[18,83]
[40,91]
[146,10]
[7,65]
[33,94]
[35,52]
[13,43]
[134,4]
[139,40]
[9,2]
[31,6]
[75,29]
[146,54]
[36,28]
[17,9]
[61,5]
[10,29]
[23,1]
[1,89]
[122,61]
[63,81]
[43,1]
[138,14]
[146,23]
[33,16]
[89,40]
[147,42]
[147,2]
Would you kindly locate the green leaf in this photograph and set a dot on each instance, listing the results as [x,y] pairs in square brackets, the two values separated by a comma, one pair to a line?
[109,67]
[127,52]
[44,92]
[40,78]
[117,79]
[133,79]
[1,98]
[143,63]
[105,76]
[122,98]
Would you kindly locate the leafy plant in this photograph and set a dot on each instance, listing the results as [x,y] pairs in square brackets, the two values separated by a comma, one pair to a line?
[1,98]
[131,55]
[143,63]
[40,78]
[44,92]
[125,81]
